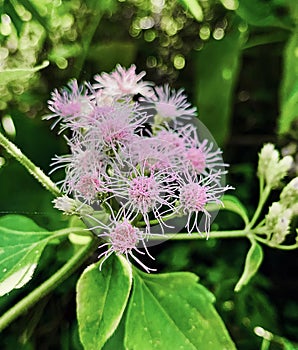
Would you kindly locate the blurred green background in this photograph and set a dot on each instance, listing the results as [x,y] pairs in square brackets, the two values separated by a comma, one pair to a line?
[238,62]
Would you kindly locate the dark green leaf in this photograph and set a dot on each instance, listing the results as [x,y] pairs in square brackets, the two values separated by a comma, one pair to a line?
[101,300]
[21,245]
[217,71]
[173,311]
[116,342]
[262,13]
[289,85]
[253,261]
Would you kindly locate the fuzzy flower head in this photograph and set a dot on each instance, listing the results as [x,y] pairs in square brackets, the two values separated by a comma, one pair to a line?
[203,156]
[169,105]
[84,171]
[194,194]
[141,192]
[158,152]
[123,82]
[121,237]
[70,105]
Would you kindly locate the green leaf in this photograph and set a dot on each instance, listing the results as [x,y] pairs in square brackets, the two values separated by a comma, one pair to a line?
[289,85]
[233,204]
[116,342]
[101,300]
[173,311]
[21,245]
[8,75]
[253,261]
[262,13]
[217,71]
[194,8]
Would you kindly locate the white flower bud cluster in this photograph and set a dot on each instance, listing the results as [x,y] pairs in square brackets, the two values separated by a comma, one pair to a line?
[271,167]
[289,196]
[278,222]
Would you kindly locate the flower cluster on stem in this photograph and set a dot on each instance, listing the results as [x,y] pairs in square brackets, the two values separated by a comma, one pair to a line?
[136,155]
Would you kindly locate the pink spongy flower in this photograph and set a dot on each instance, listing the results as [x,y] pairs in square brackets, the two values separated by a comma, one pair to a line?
[169,104]
[70,104]
[121,238]
[156,153]
[115,126]
[85,171]
[202,156]
[123,82]
[140,192]
[194,194]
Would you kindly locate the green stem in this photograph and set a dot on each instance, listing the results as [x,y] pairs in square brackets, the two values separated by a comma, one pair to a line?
[277,246]
[32,168]
[45,288]
[264,193]
[193,236]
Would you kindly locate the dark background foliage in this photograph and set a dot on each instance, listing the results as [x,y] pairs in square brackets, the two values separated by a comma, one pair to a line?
[238,65]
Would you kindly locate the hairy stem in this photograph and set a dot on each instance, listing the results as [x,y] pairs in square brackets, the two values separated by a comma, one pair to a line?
[12,149]
[49,285]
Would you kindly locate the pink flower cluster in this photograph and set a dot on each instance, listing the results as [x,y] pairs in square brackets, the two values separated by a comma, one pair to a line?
[135,153]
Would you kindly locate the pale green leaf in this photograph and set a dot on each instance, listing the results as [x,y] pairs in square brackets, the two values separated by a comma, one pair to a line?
[173,311]
[194,8]
[21,245]
[101,300]
[8,75]
[253,261]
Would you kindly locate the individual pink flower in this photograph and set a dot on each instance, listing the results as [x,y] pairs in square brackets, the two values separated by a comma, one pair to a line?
[156,153]
[194,194]
[121,238]
[202,156]
[140,192]
[84,171]
[117,126]
[170,105]
[123,82]
[69,105]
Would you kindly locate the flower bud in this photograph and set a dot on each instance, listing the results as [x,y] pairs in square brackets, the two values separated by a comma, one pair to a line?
[289,195]
[270,167]
[278,222]
[268,156]
[70,206]
[282,228]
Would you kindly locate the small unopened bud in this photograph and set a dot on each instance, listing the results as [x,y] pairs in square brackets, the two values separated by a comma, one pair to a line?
[71,206]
